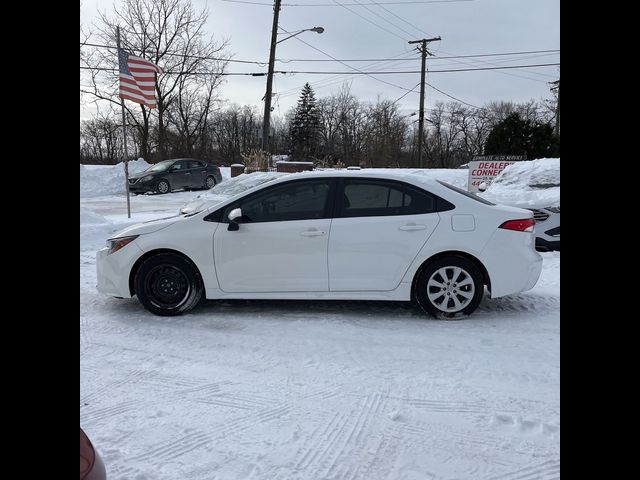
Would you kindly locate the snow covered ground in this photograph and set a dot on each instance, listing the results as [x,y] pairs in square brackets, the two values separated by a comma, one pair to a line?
[315,390]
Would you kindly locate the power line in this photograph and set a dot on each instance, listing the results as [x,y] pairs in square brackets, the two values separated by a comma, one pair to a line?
[451,96]
[392,59]
[345,64]
[173,72]
[326,82]
[381,5]
[351,4]
[370,21]
[357,71]
[182,55]
[383,18]
[413,90]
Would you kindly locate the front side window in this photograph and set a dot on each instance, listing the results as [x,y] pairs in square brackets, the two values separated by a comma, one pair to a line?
[304,200]
[373,198]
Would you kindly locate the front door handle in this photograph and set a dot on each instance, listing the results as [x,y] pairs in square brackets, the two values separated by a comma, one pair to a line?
[313,233]
[412,226]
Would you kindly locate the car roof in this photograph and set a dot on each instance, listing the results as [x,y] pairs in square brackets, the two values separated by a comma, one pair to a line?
[408,175]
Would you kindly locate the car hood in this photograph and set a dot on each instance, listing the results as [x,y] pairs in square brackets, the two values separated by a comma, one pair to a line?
[148,227]
[133,176]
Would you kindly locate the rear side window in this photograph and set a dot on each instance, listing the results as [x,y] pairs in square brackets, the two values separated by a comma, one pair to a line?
[373,198]
[195,164]
[305,200]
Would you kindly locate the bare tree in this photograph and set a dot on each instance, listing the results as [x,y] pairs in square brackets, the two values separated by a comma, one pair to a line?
[170,33]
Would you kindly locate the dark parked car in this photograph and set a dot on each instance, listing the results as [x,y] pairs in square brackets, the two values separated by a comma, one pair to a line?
[169,175]
[91,466]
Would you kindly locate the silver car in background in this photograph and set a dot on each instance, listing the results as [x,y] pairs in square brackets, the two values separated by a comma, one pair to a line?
[534,185]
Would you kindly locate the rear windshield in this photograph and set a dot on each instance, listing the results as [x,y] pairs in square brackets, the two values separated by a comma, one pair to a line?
[466,194]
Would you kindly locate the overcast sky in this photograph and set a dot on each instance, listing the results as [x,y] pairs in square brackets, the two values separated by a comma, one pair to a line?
[466,28]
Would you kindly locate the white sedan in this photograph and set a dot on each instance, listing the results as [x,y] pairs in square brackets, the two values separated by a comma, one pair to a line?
[333,236]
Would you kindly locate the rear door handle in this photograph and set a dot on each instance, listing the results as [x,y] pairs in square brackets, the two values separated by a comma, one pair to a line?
[412,226]
[312,233]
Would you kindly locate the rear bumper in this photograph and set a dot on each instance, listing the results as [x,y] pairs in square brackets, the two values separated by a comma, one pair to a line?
[547,245]
[512,262]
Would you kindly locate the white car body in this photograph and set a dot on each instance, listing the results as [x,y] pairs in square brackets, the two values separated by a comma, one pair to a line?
[366,258]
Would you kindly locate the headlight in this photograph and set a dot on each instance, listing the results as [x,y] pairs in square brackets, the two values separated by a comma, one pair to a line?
[553,209]
[148,178]
[116,244]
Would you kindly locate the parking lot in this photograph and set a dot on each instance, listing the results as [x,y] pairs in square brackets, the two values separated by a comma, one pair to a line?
[315,390]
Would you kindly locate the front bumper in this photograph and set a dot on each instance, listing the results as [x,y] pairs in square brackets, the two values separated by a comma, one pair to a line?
[142,187]
[113,270]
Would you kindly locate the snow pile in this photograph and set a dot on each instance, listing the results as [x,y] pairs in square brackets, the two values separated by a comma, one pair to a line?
[97,180]
[528,184]
[94,229]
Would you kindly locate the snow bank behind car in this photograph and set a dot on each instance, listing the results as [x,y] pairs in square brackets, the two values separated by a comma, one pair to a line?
[527,184]
[98,180]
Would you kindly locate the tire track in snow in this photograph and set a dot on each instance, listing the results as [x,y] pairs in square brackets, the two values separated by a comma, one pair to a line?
[327,439]
[548,469]
[446,406]
[107,412]
[341,438]
[349,470]
[170,450]
[174,448]
[315,440]
[136,375]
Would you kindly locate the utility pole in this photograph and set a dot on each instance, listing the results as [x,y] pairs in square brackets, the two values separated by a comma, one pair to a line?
[557,129]
[266,123]
[424,52]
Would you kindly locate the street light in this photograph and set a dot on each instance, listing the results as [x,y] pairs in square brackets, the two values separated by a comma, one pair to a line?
[314,29]
[266,123]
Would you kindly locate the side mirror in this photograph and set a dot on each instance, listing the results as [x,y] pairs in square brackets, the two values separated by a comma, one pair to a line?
[235,216]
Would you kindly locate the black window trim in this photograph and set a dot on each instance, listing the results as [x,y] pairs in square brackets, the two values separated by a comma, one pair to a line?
[440,204]
[329,207]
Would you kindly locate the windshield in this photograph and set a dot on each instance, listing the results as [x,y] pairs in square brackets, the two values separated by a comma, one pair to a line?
[227,189]
[160,166]
[239,184]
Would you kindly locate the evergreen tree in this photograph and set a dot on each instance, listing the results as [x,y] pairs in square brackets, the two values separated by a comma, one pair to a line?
[515,136]
[305,126]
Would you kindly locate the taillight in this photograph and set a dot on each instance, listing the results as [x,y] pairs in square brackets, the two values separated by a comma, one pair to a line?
[523,225]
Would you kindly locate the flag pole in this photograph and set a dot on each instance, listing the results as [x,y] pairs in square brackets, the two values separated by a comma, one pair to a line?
[124,134]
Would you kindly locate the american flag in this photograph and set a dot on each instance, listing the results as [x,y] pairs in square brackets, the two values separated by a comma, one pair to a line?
[137,79]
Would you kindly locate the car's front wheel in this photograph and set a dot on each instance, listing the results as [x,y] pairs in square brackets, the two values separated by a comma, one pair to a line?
[210,182]
[449,287]
[168,284]
[163,186]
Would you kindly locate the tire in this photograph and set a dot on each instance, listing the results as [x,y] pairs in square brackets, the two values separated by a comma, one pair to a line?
[163,186]
[209,182]
[168,284]
[432,288]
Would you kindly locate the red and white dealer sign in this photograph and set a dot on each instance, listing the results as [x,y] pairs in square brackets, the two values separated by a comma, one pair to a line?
[486,170]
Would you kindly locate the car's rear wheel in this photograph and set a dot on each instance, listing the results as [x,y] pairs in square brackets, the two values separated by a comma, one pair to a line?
[163,186]
[168,284]
[449,287]
[209,182]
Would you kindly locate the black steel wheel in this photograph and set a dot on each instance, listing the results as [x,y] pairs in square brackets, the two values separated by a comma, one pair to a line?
[168,284]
